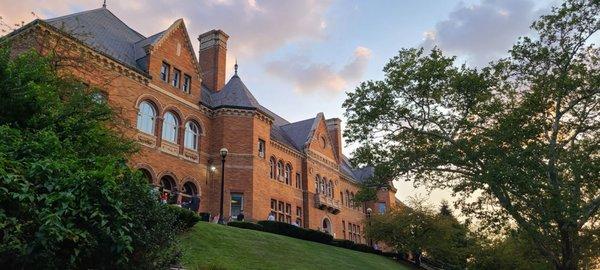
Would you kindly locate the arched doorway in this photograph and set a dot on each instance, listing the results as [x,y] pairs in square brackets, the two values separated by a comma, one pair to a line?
[168,188]
[147,175]
[327,225]
[190,197]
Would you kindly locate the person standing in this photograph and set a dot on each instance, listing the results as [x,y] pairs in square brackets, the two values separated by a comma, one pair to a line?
[240,216]
[271,216]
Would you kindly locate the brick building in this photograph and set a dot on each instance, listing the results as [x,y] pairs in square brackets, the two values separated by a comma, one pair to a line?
[179,107]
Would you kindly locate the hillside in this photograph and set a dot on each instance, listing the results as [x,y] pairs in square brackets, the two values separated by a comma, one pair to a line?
[212,246]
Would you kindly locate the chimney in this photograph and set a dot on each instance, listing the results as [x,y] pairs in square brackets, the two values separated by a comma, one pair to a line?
[334,128]
[213,52]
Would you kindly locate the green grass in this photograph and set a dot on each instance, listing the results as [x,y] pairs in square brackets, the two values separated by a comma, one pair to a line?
[212,246]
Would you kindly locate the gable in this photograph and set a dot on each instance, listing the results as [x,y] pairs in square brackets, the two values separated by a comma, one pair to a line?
[320,140]
[174,46]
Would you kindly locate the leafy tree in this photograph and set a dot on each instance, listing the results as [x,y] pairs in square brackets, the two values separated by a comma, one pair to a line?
[513,252]
[418,230]
[67,198]
[520,136]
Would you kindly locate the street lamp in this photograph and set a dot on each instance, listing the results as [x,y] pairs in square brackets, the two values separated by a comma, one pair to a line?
[369,210]
[223,152]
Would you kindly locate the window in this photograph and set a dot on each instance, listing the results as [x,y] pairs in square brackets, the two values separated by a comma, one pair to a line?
[237,203]
[99,97]
[288,174]
[274,205]
[381,207]
[176,78]
[299,216]
[322,181]
[298,180]
[191,136]
[280,211]
[317,184]
[347,198]
[342,197]
[280,170]
[272,165]
[170,127]
[146,118]
[288,213]
[164,72]
[187,83]
[330,189]
[351,201]
[261,148]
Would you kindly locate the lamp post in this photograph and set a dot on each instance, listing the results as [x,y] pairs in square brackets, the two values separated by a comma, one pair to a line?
[223,155]
[369,210]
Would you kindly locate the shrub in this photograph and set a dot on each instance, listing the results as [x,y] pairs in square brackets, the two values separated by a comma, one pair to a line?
[185,218]
[296,232]
[342,243]
[246,225]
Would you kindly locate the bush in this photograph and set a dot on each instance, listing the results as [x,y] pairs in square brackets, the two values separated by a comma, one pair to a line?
[342,243]
[185,218]
[246,225]
[296,232]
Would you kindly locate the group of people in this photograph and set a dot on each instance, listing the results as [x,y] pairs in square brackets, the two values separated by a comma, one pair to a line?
[271,217]
[192,204]
[239,217]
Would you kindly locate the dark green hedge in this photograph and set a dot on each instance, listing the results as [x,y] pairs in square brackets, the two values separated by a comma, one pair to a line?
[296,232]
[246,225]
[185,218]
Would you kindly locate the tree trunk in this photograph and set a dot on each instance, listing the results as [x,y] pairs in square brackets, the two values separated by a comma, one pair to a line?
[569,250]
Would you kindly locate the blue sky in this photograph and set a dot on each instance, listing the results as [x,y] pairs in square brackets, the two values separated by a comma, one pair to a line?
[300,57]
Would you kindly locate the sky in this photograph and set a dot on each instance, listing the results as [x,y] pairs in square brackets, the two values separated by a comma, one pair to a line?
[301,57]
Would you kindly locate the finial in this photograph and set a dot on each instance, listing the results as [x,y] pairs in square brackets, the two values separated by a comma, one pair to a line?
[236,67]
[104,4]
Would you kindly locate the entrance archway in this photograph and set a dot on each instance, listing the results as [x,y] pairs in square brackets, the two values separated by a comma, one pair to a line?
[188,192]
[168,186]
[327,225]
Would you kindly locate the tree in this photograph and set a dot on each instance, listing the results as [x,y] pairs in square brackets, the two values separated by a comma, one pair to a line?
[67,198]
[418,230]
[520,136]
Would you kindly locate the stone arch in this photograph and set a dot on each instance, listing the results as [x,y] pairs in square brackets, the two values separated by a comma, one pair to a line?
[326,225]
[151,99]
[199,122]
[189,189]
[147,171]
[176,111]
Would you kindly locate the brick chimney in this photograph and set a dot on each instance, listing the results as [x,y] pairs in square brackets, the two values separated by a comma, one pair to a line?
[213,53]
[334,128]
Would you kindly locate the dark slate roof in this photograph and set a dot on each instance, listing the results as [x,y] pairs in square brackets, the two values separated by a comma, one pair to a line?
[105,32]
[298,132]
[364,174]
[234,94]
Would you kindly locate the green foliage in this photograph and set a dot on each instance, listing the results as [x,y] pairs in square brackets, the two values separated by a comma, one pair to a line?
[354,246]
[67,199]
[246,225]
[517,141]
[296,232]
[417,229]
[185,218]
[512,252]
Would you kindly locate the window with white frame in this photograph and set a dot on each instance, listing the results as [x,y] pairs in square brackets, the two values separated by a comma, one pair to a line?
[170,127]
[146,118]
[191,135]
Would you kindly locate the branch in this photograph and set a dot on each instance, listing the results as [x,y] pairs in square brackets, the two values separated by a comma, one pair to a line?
[589,211]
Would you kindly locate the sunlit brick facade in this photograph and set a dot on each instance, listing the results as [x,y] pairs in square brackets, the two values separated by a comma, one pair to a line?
[177,104]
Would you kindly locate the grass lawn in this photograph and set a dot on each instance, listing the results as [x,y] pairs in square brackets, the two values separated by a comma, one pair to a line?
[212,246]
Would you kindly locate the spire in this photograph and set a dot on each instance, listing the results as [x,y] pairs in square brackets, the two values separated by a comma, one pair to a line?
[104,4]
[235,67]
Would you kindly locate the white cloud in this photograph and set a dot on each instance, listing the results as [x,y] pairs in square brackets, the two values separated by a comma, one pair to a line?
[308,77]
[483,31]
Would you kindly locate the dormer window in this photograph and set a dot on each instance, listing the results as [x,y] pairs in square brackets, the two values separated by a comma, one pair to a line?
[187,83]
[164,72]
[176,78]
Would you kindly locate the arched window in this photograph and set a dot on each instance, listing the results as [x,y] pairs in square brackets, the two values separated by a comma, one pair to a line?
[342,197]
[189,191]
[288,174]
[146,120]
[331,189]
[352,199]
[280,170]
[190,140]
[318,184]
[170,127]
[347,198]
[272,165]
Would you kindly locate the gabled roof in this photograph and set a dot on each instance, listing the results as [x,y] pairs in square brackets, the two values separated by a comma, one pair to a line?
[299,132]
[102,30]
